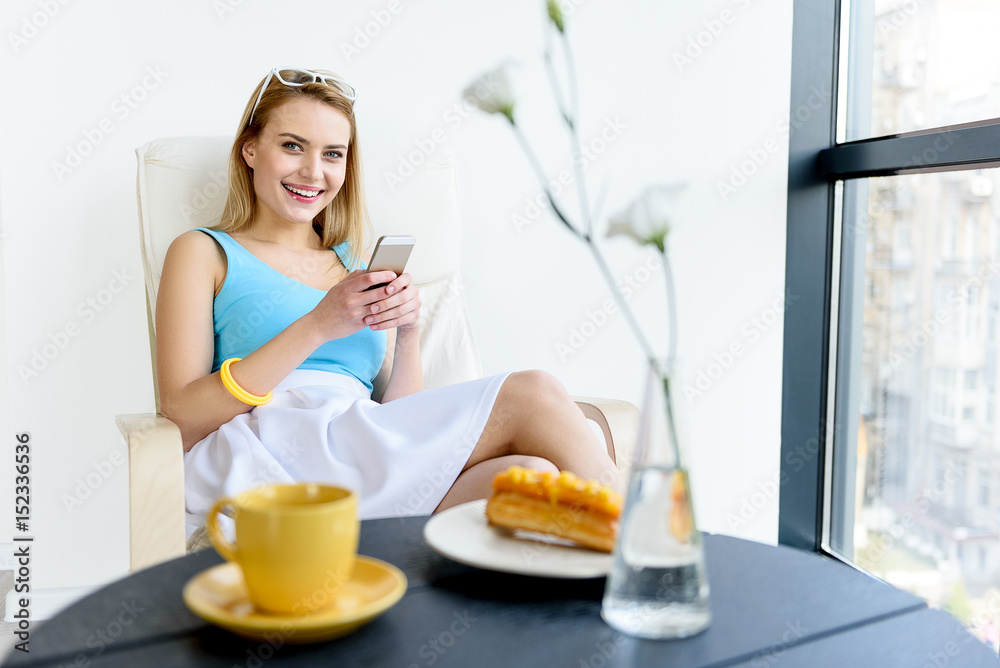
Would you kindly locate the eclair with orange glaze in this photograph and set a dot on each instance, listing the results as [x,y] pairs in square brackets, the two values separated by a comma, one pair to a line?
[560,504]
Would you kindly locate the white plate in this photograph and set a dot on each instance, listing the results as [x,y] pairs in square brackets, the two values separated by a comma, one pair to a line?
[463,534]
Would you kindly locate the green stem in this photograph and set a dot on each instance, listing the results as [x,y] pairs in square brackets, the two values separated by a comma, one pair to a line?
[540,173]
[668,399]
[571,73]
[554,80]
[581,184]
[671,309]
[633,323]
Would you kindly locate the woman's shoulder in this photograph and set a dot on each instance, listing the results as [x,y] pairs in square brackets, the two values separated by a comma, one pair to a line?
[196,248]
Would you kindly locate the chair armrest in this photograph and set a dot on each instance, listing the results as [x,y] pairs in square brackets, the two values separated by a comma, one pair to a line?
[619,422]
[156,488]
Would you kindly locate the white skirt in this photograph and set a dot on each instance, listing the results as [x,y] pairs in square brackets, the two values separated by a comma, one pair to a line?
[400,457]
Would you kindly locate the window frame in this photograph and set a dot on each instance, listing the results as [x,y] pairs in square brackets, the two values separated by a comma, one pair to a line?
[822,334]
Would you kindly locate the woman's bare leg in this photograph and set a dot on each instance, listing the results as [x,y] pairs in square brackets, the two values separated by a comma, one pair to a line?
[534,416]
[476,481]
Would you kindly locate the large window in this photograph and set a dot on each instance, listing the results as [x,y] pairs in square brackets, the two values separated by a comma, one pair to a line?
[890,447]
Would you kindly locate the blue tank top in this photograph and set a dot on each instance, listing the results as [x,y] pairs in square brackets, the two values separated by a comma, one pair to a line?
[257,302]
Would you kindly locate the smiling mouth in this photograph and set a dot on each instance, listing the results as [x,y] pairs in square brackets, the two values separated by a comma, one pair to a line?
[301,192]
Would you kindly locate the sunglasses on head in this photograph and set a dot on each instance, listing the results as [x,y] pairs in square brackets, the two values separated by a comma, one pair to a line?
[293,76]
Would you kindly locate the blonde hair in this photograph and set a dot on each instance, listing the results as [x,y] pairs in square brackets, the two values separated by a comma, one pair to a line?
[346,217]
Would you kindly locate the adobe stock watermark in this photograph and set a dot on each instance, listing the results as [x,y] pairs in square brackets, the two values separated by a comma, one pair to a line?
[317,599]
[751,504]
[703,40]
[605,651]
[589,153]
[886,541]
[858,224]
[918,339]
[931,154]
[767,490]
[103,638]
[435,648]
[957,297]
[217,184]
[87,311]
[273,641]
[121,108]
[898,18]
[753,329]
[247,327]
[794,631]
[595,319]
[32,24]
[274,471]
[86,486]
[434,482]
[224,7]
[102,469]
[759,155]
[363,35]
[411,502]
[454,290]
[451,120]
[950,650]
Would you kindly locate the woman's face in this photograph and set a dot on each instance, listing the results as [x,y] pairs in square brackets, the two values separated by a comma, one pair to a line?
[299,161]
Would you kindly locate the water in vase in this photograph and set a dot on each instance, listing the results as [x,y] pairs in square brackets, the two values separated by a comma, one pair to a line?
[657,587]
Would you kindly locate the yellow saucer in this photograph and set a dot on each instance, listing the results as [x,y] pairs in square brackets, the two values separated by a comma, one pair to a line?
[219,595]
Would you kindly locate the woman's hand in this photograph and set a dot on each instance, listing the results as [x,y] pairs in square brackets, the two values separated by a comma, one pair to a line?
[347,305]
[399,308]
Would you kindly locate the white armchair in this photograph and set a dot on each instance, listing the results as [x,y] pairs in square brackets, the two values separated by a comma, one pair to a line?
[181,185]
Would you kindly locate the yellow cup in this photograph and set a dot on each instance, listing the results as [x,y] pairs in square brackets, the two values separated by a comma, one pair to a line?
[295,543]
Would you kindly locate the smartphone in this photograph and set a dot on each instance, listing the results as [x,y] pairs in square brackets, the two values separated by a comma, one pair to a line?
[390,254]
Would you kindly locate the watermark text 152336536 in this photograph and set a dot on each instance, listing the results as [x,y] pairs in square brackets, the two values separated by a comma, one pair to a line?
[22,555]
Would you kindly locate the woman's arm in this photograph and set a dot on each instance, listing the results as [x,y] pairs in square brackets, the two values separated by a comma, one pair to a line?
[403,349]
[190,394]
[406,376]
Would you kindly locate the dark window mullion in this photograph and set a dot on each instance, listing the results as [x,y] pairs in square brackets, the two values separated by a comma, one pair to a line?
[808,269]
[961,147]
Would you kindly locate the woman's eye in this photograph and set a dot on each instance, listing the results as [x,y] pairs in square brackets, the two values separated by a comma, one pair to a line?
[334,154]
[291,145]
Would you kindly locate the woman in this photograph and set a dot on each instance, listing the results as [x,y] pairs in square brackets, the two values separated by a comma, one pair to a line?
[268,344]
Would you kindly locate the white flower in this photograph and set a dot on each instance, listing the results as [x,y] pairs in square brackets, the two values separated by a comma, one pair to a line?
[492,93]
[649,216]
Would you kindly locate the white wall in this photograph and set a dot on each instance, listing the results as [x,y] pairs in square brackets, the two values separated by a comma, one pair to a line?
[71,264]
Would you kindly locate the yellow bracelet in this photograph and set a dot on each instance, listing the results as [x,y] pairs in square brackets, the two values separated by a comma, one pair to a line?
[236,390]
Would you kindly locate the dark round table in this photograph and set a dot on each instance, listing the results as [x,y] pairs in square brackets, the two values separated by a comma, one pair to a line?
[771,606]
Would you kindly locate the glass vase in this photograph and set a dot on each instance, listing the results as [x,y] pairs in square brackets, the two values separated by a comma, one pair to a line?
[657,587]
